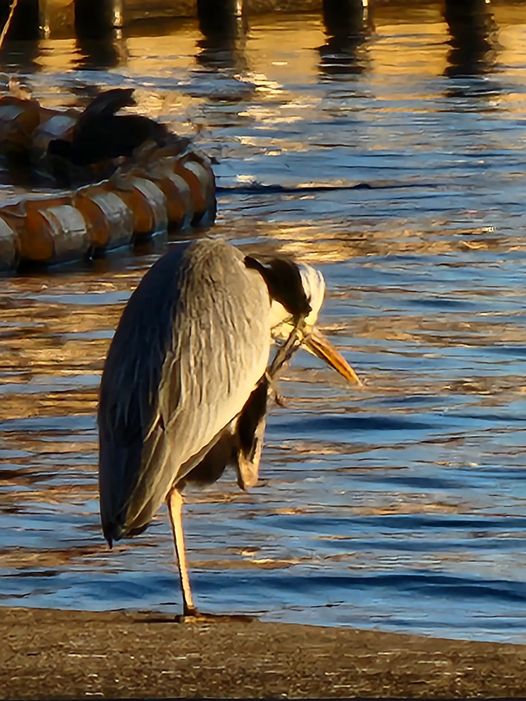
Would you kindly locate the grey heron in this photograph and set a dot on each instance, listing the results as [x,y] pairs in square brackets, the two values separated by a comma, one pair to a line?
[186,380]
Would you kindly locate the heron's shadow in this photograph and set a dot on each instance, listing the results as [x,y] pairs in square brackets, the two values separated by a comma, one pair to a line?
[199,618]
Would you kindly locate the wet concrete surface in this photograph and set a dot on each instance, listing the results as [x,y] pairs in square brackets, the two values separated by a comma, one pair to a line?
[72,654]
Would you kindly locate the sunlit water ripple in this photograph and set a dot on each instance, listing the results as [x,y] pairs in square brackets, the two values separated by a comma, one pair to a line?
[400,506]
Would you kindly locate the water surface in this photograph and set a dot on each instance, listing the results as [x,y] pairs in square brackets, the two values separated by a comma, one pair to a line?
[400,506]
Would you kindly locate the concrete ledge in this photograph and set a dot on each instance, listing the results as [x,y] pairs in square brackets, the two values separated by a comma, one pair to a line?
[71,654]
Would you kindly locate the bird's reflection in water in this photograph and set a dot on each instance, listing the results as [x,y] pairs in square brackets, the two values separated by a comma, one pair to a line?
[224,37]
[474,45]
[347,25]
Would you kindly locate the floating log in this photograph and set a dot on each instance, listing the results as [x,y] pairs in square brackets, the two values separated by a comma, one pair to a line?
[161,187]
[147,203]
[110,220]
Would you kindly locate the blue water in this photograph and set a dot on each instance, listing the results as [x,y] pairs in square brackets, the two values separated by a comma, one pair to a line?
[400,506]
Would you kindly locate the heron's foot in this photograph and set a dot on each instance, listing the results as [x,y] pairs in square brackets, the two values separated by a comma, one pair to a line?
[190,614]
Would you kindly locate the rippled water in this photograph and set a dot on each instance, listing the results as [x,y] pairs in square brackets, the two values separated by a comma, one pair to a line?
[400,506]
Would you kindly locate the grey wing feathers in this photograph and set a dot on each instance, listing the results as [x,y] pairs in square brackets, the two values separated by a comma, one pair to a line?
[239,444]
[250,429]
[191,345]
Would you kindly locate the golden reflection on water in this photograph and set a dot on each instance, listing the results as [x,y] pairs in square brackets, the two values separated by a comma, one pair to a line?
[425,273]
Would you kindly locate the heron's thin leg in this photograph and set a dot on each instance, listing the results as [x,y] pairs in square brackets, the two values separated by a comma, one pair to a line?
[284,354]
[175,509]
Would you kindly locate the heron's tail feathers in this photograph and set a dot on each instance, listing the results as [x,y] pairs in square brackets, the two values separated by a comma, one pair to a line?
[134,479]
[116,531]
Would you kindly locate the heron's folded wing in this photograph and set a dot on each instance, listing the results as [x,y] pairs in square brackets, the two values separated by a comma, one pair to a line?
[192,343]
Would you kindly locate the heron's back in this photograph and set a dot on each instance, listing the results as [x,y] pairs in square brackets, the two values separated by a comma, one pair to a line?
[191,345]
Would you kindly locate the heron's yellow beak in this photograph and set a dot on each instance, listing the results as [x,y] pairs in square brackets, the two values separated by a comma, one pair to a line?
[323,348]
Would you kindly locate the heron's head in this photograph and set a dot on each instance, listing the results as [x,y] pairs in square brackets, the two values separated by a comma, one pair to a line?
[302,299]
[282,323]
[297,291]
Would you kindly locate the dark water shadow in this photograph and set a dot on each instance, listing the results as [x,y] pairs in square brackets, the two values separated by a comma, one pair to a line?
[25,24]
[20,56]
[348,26]
[101,54]
[223,44]
[473,49]
[201,618]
